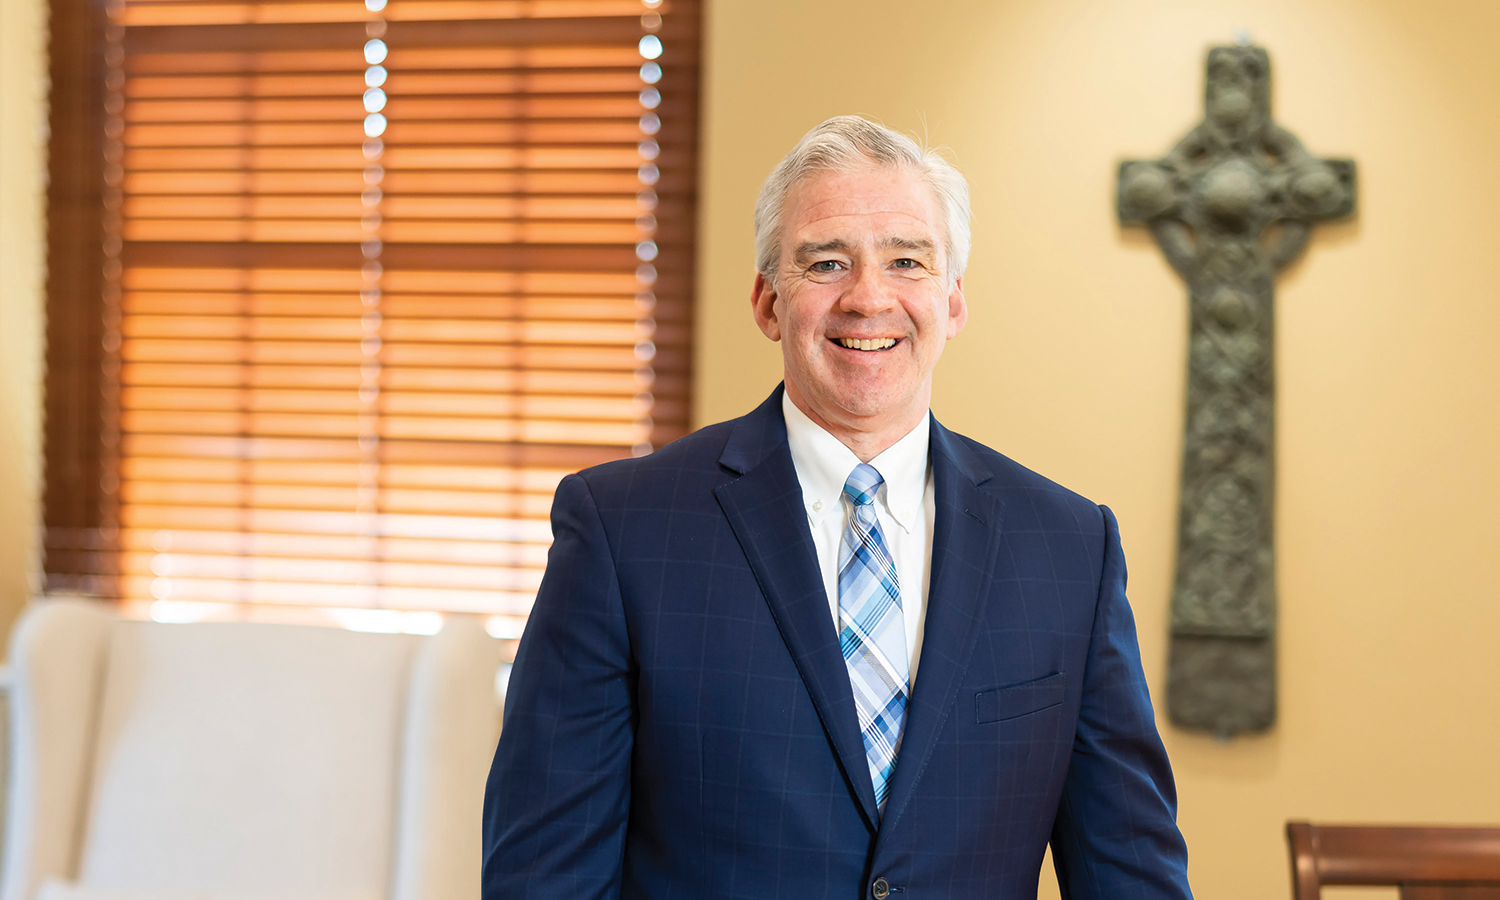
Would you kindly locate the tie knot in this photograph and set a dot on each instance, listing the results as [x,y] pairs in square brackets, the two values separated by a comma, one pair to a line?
[862,484]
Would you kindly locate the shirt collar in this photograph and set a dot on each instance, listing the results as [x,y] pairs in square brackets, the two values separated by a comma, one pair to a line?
[823,464]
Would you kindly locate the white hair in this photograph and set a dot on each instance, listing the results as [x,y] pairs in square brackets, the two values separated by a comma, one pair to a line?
[847,143]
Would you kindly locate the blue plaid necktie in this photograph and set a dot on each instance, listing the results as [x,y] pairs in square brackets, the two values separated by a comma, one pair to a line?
[872,633]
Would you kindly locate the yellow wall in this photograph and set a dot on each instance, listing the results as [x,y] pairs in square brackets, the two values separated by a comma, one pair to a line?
[1073,360]
[22,256]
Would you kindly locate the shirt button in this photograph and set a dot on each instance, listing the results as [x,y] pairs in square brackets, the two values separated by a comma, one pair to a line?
[880,889]
[817,506]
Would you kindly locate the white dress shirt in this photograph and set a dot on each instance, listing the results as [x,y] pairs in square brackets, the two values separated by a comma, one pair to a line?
[904,505]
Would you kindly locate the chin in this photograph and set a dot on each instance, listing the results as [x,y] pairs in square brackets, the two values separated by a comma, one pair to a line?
[866,404]
[842,399]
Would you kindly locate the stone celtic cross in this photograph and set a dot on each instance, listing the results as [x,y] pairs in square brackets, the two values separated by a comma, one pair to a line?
[1230,206]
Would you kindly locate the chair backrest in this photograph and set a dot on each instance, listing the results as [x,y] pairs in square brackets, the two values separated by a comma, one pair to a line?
[1426,863]
[241,761]
[221,736]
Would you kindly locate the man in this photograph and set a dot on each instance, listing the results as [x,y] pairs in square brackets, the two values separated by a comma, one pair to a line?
[832,649]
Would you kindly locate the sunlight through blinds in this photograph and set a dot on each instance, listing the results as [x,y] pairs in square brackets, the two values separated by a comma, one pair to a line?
[377,276]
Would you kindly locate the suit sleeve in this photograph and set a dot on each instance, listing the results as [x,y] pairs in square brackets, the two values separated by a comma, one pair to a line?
[1116,833]
[557,801]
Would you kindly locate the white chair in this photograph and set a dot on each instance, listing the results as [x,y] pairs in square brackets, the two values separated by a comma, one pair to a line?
[244,761]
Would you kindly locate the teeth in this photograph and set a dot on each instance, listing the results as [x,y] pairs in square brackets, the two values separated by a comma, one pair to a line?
[868,344]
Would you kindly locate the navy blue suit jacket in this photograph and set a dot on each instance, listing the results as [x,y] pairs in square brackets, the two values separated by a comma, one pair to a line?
[679,722]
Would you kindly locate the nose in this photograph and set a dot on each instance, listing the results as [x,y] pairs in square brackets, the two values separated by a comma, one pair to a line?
[868,293]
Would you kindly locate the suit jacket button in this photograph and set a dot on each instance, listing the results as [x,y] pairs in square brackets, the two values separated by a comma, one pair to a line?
[880,889]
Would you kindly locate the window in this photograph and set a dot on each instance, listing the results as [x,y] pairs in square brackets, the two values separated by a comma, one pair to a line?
[341,289]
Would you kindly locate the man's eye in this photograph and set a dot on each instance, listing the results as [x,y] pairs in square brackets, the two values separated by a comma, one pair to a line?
[825,265]
[906,263]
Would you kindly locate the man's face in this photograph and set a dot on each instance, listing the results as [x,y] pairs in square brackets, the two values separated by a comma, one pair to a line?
[863,303]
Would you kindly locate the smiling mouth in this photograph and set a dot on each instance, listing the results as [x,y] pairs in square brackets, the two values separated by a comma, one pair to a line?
[866,343]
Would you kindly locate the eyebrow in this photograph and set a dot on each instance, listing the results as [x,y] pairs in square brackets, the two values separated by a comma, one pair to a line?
[916,245]
[808,248]
[921,245]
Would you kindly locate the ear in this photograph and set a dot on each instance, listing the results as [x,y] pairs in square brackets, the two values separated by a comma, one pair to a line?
[958,309]
[763,299]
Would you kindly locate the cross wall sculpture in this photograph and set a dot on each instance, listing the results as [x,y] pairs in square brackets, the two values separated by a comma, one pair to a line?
[1230,206]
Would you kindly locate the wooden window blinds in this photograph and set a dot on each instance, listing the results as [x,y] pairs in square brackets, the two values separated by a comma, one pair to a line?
[341,289]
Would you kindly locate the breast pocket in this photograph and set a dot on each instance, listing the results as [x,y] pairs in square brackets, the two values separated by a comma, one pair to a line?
[1016,700]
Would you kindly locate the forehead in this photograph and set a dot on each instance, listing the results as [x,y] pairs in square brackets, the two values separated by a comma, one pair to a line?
[862,203]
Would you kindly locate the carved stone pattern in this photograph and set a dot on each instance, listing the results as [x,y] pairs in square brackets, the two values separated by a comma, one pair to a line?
[1230,206]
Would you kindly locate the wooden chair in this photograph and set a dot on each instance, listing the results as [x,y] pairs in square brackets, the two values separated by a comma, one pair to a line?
[1425,863]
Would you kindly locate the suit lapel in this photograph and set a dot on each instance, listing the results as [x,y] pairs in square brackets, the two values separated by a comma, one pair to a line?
[764,507]
[965,540]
